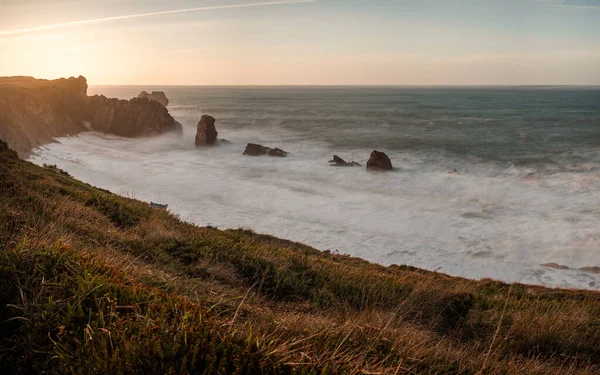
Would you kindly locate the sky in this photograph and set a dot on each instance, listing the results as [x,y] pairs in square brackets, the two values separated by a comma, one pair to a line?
[303,42]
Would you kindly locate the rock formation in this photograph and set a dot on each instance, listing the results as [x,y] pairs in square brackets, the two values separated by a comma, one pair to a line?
[130,118]
[253,149]
[34,111]
[339,162]
[206,134]
[379,162]
[158,96]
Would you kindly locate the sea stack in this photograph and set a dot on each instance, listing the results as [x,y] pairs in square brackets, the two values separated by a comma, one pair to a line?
[158,96]
[206,133]
[379,161]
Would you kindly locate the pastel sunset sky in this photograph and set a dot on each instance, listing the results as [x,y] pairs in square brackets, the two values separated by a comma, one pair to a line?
[304,42]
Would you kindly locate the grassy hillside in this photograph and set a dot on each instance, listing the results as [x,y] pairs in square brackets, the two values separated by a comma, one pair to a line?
[91,282]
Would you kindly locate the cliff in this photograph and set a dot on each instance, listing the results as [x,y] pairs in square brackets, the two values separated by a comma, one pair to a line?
[35,111]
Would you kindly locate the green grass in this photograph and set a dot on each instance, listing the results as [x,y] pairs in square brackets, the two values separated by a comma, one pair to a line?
[91,282]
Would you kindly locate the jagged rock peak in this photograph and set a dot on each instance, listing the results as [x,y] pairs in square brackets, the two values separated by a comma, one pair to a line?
[158,96]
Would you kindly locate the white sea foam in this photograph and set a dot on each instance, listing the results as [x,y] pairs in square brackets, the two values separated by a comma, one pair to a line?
[488,221]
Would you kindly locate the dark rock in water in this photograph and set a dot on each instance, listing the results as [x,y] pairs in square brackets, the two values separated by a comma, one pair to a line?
[555,266]
[130,118]
[206,133]
[158,96]
[253,149]
[379,162]
[339,162]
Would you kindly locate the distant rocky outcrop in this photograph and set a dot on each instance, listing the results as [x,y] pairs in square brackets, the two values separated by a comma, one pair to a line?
[130,118]
[206,133]
[158,96]
[253,149]
[34,111]
[379,161]
[339,162]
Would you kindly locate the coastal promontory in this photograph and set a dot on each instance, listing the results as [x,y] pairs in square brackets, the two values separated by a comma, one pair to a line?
[35,111]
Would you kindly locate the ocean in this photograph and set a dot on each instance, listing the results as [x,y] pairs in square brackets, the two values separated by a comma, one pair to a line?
[527,191]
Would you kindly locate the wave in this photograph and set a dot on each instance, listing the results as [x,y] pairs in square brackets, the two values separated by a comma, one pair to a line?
[487,221]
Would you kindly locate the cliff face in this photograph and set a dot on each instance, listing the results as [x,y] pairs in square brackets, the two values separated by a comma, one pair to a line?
[130,118]
[34,111]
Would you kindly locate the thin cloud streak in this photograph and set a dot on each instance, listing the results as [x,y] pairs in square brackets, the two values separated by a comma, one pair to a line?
[151,14]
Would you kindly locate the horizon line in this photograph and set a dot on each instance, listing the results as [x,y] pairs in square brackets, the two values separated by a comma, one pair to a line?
[347,85]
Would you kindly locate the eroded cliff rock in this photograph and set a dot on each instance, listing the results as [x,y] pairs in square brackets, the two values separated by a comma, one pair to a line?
[34,111]
[130,118]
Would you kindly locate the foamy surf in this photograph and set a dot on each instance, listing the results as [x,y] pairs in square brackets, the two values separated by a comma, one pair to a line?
[498,226]
[526,193]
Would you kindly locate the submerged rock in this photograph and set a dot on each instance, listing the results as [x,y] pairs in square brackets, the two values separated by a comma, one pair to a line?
[379,161]
[158,96]
[593,269]
[253,149]
[206,133]
[339,162]
[277,152]
[555,266]
[130,118]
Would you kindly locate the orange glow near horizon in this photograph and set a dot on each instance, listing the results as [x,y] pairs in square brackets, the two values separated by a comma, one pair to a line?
[301,42]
